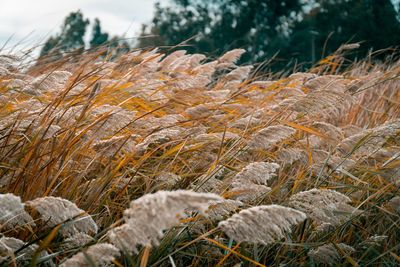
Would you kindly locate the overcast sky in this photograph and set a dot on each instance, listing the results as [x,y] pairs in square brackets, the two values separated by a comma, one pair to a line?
[38,19]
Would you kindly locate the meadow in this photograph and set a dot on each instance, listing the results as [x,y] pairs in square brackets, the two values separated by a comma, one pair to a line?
[151,159]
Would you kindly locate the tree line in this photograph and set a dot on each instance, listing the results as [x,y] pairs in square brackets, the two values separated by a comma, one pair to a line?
[289,31]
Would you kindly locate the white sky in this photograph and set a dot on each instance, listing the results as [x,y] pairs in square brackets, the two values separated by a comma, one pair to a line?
[38,19]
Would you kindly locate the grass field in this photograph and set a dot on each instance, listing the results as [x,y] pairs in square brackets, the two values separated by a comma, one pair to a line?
[182,160]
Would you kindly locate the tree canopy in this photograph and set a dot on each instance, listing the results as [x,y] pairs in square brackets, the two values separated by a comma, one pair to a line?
[70,38]
[290,31]
[98,36]
[299,30]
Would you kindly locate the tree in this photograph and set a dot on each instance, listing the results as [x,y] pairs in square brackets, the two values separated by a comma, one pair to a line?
[71,37]
[214,26]
[98,37]
[49,46]
[301,31]
[331,23]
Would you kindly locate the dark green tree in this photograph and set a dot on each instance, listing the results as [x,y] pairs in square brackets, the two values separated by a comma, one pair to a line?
[373,23]
[214,26]
[49,46]
[301,31]
[98,36]
[71,37]
[73,32]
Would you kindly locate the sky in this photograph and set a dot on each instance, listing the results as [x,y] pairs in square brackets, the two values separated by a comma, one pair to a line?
[33,21]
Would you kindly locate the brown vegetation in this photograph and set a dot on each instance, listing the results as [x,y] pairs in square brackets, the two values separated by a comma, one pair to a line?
[157,160]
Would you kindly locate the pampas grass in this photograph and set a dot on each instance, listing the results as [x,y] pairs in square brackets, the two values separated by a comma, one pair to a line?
[262,224]
[328,254]
[324,206]
[12,213]
[168,158]
[150,215]
[52,211]
[99,255]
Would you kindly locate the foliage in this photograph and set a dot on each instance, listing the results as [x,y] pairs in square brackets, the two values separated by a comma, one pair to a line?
[71,36]
[218,26]
[71,39]
[301,31]
[98,37]
[332,23]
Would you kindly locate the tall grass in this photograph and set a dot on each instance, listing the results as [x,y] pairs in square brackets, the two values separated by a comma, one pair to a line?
[155,160]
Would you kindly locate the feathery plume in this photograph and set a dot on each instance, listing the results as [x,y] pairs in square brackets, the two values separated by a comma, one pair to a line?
[55,210]
[159,138]
[230,57]
[247,191]
[100,254]
[194,60]
[345,47]
[4,72]
[166,180]
[246,122]
[150,215]
[323,206]
[110,146]
[375,240]
[329,130]
[262,224]
[328,254]
[54,81]
[251,183]
[207,183]
[326,82]
[288,156]
[206,69]
[219,210]
[9,62]
[285,93]
[12,213]
[369,140]
[75,241]
[8,247]
[219,95]
[166,62]
[239,74]
[15,84]
[271,135]
[260,84]
[257,172]
[179,66]
[301,76]
[200,111]
[349,130]
[318,102]
[107,120]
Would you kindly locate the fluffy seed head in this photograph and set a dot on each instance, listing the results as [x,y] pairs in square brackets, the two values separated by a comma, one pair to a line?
[231,57]
[323,205]
[328,254]
[55,210]
[257,172]
[100,254]
[150,215]
[269,136]
[12,213]
[262,224]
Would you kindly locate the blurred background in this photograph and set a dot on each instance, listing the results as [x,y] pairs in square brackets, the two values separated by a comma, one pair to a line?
[283,33]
